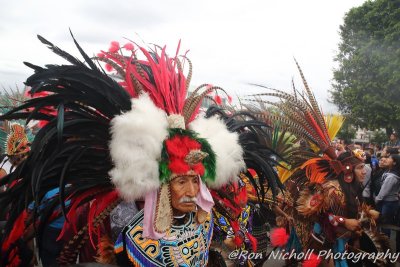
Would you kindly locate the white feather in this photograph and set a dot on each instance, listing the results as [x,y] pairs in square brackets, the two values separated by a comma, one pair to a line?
[225,144]
[135,147]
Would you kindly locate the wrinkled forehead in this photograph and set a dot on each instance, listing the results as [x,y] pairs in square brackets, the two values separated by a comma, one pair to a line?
[186,177]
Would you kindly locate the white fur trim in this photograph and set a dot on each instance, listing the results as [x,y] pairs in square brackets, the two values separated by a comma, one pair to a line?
[135,148]
[225,144]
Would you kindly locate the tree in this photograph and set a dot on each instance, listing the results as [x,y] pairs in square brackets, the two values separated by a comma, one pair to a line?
[366,83]
[379,137]
[347,131]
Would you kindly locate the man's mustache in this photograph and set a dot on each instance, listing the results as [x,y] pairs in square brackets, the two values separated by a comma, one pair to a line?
[188,200]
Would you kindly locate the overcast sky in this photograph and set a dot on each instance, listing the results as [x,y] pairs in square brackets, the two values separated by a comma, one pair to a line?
[232,43]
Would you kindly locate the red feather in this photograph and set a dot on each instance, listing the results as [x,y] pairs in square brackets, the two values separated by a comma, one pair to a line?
[77,201]
[100,203]
[178,166]
[241,197]
[16,232]
[128,84]
[235,226]
[235,210]
[279,237]
[15,259]
[238,241]
[317,128]
[312,261]
[218,99]
[167,88]
[199,169]
[191,144]
[253,241]
[176,148]
[252,172]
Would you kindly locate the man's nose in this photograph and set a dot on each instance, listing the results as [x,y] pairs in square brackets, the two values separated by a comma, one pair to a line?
[191,190]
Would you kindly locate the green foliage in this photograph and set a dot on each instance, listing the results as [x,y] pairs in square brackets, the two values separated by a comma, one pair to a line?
[379,137]
[347,132]
[367,82]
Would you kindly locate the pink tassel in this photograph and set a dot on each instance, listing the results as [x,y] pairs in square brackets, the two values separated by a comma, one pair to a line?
[100,55]
[218,100]
[279,237]
[128,46]
[312,261]
[114,47]
[109,67]
[229,99]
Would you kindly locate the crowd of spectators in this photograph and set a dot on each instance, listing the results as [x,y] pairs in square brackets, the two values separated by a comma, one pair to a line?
[381,187]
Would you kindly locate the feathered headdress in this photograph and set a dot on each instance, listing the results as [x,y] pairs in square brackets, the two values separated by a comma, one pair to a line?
[133,135]
[162,136]
[15,138]
[300,115]
[315,161]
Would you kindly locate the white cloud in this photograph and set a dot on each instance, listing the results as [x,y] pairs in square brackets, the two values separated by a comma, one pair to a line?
[231,42]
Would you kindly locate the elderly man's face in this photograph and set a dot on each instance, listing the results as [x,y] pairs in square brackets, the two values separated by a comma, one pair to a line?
[184,190]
